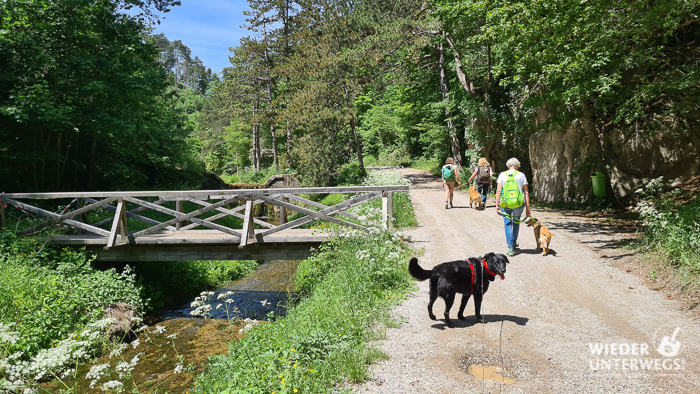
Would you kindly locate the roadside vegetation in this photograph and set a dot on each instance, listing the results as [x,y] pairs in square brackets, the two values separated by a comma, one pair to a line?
[53,301]
[346,291]
[670,219]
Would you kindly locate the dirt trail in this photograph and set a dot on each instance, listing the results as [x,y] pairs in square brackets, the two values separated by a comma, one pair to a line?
[541,320]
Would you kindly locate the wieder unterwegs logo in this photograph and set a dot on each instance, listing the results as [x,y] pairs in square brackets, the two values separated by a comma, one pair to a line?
[663,354]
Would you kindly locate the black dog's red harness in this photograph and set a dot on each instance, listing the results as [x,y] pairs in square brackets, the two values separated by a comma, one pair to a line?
[487,267]
[471,265]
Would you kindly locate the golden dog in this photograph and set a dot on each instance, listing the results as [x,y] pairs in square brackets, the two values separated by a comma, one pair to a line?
[475,200]
[542,235]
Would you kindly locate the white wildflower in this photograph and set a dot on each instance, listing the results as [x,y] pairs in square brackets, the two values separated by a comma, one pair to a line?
[112,385]
[7,335]
[118,350]
[97,371]
[124,369]
[179,368]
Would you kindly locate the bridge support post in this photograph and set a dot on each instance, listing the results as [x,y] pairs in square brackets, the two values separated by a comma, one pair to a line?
[248,230]
[178,207]
[283,210]
[118,222]
[387,208]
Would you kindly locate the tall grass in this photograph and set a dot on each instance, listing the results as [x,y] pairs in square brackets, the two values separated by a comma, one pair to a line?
[670,228]
[346,291]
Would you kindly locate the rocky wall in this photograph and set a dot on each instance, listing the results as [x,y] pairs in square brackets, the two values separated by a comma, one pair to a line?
[561,163]
[563,160]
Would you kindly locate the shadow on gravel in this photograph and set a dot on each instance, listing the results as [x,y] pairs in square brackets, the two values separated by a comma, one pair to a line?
[490,319]
[551,252]
[420,181]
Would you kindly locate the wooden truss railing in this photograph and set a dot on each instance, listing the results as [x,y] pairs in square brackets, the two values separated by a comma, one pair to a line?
[215,205]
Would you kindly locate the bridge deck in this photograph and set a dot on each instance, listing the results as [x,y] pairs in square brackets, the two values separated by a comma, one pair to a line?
[205,237]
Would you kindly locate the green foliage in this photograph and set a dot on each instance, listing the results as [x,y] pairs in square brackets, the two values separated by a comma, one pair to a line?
[350,174]
[670,228]
[83,102]
[626,60]
[48,293]
[247,175]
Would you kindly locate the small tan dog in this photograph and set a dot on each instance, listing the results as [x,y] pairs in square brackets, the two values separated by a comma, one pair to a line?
[475,199]
[542,235]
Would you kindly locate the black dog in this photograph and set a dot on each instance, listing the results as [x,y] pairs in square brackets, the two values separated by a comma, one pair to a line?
[462,276]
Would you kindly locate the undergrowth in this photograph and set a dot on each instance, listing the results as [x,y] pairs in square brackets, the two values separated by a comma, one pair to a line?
[345,294]
[670,228]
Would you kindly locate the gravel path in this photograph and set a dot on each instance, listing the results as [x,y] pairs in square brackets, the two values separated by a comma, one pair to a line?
[541,320]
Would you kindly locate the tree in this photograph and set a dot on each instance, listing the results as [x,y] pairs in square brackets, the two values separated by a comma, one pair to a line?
[81,103]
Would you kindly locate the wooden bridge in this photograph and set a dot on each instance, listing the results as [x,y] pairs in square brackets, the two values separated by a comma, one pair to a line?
[194,225]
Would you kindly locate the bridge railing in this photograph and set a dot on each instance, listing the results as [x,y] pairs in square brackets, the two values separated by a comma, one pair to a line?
[213,206]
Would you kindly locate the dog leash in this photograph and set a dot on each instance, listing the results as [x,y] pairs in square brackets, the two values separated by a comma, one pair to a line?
[516,220]
[483,265]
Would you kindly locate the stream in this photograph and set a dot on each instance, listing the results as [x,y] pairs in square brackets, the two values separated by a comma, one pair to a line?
[171,351]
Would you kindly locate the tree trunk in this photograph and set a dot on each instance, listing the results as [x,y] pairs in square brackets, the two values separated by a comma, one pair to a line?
[358,144]
[256,147]
[454,141]
[274,146]
[256,139]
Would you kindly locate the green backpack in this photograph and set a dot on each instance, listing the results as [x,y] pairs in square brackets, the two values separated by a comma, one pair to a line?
[511,196]
[448,172]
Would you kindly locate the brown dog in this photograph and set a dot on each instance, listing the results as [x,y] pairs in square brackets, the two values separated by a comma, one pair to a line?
[542,235]
[475,199]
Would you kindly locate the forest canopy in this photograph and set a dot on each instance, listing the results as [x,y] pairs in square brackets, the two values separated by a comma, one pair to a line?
[89,99]
[83,100]
[319,84]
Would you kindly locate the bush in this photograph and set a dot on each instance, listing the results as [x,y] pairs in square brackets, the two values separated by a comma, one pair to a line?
[669,227]
[250,176]
[350,174]
[48,293]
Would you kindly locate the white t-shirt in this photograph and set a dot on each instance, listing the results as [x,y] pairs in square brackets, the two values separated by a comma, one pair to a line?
[519,177]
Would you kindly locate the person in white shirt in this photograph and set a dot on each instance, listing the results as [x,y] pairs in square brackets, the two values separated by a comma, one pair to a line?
[511,216]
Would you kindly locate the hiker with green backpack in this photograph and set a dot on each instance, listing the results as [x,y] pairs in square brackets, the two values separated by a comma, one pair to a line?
[450,179]
[512,196]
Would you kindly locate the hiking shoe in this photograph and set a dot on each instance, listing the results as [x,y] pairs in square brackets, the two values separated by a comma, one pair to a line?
[451,206]
[511,253]
[446,206]
[517,245]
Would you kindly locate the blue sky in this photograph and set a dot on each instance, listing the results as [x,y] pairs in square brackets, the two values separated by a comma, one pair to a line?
[207,27]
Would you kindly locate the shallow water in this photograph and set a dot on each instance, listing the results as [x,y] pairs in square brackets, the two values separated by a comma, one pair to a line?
[189,341]
[263,291]
[489,372]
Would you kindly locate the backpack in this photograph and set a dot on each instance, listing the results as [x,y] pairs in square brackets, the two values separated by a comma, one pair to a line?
[448,172]
[511,196]
[484,175]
